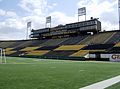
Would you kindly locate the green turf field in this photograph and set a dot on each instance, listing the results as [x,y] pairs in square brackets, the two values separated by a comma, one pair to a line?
[27,73]
[115,86]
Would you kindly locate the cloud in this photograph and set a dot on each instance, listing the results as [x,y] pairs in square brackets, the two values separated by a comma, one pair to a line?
[37,11]
[61,18]
[9,14]
[52,6]
[11,34]
[12,29]
[33,6]
[2,12]
[36,7]
[11,19]
[96,8]
[105,10]
[14,26]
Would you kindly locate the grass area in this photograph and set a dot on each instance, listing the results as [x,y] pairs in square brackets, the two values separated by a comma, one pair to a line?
[28,73]
[115,86]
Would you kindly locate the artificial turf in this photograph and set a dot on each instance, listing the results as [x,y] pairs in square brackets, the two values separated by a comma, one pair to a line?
[28,73]
[115,86]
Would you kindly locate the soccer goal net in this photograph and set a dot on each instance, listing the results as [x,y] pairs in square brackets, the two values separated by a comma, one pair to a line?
[2,56]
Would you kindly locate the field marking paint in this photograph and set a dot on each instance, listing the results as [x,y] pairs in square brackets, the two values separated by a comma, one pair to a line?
[103,84]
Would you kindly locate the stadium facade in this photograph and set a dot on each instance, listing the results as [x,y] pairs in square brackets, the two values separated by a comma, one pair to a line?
[75,41]
[79,28]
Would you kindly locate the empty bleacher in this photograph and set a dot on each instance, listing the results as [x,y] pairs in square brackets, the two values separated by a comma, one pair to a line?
[100,38]
[57,54]
[86,40]
[37,53]
[29,49]
[70,47]
[98,47]
[73,40]
[115,38]
[23,44]
[92,48]
[9,51]
[53,42]
[117,45]
[115,48]
[37,42]
[80,53]
[5,44]
[47,48]
[64,47]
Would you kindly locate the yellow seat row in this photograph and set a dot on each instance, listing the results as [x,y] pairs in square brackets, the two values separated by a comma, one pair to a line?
[29,48]
[9,52]
[8,49]
[37,53]
[117,45]
[82,53]
[70,47]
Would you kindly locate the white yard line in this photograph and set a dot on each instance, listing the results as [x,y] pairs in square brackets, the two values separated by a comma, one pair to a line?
[103,84]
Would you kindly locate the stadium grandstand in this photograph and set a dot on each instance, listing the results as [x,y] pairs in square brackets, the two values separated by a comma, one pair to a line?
[80,40]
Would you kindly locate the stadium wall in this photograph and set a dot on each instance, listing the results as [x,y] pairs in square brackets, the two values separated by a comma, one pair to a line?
[112,56]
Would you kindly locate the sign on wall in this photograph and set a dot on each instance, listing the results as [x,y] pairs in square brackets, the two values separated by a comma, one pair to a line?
[112,57]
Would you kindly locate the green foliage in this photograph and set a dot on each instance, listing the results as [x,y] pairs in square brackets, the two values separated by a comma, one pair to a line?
[28,73]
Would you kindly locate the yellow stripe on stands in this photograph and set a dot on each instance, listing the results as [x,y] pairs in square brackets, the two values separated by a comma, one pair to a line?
[96,50]
[117,45]
[70,47]
[8,49]
[9,52]
[29,48]
[40,52]
[82,53]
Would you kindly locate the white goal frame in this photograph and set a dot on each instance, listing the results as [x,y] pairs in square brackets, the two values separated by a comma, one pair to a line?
[2,55]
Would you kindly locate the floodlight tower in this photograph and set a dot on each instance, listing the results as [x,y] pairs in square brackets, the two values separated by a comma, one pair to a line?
[28,28]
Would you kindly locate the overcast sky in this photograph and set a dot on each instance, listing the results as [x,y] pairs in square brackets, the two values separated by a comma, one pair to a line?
[14,14]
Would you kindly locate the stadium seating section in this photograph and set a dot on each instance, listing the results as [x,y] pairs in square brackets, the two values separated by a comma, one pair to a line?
[37,53]
[64,47]
[115,38]
[100,38]
[80,53]
[117,45]
[29,48]
[70,47]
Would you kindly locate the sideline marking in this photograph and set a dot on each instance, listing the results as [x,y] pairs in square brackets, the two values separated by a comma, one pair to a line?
[103,84]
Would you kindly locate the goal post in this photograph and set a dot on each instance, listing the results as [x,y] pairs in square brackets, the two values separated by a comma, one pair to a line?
[2,56]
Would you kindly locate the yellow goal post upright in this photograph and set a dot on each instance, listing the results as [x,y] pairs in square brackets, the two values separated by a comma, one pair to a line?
[2,56]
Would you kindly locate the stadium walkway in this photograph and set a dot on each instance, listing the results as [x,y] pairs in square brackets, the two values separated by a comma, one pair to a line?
[103,84]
